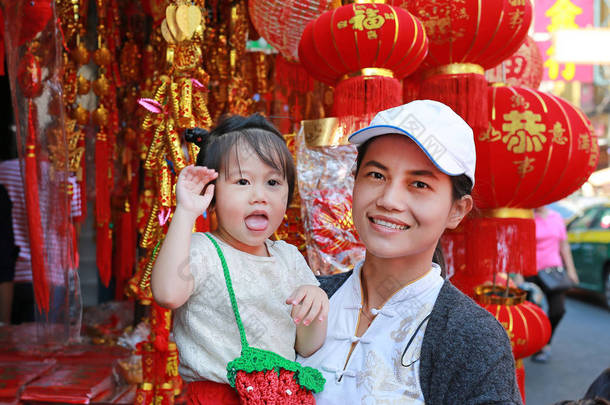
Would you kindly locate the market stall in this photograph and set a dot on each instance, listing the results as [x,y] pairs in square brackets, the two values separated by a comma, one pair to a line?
[104,90]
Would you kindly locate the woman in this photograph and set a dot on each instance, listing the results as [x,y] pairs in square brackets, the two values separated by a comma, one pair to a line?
[397,331]
[552,252]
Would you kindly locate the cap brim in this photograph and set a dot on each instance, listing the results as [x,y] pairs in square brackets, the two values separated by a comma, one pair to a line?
[444,162]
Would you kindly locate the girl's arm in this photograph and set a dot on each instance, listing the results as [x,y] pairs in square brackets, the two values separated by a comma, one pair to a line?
[310,313]
[171,279]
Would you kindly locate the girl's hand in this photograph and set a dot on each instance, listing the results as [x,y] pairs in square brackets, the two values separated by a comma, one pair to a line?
[308,303]
[191,182]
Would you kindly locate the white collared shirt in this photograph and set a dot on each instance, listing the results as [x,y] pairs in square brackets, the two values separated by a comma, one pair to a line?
[376,371]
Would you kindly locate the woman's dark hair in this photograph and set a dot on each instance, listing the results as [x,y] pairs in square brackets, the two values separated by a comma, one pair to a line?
[233,132]
[461,186]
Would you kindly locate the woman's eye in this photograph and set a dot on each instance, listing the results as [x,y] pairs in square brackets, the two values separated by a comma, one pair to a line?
[242,182]
[273,183]
[375,175]
[420,184]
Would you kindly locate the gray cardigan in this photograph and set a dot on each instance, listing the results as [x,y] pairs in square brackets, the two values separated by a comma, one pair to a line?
[466,357]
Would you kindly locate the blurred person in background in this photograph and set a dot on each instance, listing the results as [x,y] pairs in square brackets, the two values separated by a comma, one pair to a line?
[552,251]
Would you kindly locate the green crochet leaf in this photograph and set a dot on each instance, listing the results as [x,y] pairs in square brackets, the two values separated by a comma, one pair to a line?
[253,359]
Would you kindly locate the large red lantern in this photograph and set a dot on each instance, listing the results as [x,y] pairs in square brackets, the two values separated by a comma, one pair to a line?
[538,149]
[467,37]
[281,23]
[364,50]
[523,68]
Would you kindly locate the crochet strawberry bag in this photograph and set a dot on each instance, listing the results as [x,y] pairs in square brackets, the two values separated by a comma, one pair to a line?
[262,377]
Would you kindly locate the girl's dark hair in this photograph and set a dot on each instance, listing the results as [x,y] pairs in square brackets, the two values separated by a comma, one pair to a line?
[461,186]
[236,131]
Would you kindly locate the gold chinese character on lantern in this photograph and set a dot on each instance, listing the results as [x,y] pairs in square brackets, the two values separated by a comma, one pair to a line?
[563,16]
[524,132]
[525,166]
[583,142]
[558,131]
[367,19]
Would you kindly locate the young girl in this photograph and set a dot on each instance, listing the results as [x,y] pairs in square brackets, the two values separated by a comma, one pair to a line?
[398,332]
[246,174]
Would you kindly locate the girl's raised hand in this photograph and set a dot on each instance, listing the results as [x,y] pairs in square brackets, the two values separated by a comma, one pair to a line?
[191,182]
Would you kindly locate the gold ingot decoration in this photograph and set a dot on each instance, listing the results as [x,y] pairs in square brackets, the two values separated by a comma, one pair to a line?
[81,115]
[81,55]
[100,116]
[83,85]
[101,86]
[102,56]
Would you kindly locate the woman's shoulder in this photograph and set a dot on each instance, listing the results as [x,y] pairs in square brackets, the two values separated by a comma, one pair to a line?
[458,315]
[331,283]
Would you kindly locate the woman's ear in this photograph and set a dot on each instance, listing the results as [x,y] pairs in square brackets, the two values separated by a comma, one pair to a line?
[459,210]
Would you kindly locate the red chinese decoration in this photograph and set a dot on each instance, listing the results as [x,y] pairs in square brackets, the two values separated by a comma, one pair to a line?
[482,247]
[526,324]
[467,37]
[364,50]
[538,149]
[29,77]
[523,68]
[281,23]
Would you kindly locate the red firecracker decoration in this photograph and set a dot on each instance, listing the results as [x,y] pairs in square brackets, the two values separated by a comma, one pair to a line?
[524,68]
[364,50]
[29,77]
[467,37]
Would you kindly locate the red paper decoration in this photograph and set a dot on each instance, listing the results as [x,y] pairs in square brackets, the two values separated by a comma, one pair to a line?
[466,37]
[281,23]
[538,149]
[523,68]
[526,324]
[364,50]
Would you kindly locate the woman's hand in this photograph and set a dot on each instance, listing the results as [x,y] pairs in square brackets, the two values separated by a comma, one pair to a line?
[191,182]
[308,304]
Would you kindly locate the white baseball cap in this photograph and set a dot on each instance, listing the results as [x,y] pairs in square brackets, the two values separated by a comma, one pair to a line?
[443,135]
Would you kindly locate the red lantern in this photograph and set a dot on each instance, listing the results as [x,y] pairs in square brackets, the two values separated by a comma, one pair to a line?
[538,149]
[466,37]
[281,23]
[526,324]
[523,68]
[364,50]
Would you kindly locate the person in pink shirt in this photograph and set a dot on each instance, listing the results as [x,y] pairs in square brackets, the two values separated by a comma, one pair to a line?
[552,250]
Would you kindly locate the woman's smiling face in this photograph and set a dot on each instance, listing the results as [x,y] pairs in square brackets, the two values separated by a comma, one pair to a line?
[402,203]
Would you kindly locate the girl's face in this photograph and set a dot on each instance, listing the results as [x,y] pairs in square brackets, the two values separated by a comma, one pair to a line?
[251,200]
[402,203]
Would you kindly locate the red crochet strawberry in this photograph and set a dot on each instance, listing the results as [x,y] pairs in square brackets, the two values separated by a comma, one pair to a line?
[269,388]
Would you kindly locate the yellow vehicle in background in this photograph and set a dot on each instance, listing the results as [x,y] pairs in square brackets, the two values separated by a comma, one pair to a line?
[589,237]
